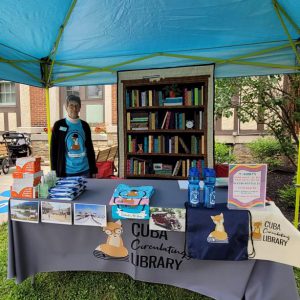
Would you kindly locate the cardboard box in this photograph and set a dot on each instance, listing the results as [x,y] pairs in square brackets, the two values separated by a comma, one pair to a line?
[19,191]
[28,164]
[33,178]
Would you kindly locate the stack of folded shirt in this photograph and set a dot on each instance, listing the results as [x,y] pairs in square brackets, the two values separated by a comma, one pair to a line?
[68,188]
[131,202]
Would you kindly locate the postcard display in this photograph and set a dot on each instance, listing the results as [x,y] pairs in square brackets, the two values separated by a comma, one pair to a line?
[165,123]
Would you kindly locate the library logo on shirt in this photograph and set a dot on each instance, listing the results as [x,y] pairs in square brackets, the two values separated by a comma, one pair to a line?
[75,146]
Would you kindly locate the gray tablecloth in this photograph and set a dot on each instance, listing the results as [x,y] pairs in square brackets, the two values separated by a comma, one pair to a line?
[154,256]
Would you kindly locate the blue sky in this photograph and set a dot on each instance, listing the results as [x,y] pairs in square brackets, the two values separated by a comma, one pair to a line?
[94,208]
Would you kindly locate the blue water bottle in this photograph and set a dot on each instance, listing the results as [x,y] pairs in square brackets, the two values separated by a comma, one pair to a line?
[209,188]
[194,188]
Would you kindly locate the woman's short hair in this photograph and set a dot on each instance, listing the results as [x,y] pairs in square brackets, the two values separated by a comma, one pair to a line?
[73,98]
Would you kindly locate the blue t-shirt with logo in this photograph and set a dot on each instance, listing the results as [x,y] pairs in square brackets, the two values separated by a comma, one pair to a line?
[76,159]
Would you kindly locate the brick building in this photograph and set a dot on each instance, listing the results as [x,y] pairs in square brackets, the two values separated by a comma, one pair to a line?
[23,108]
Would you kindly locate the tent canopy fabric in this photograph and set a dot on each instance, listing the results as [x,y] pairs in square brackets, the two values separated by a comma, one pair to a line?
[85,42]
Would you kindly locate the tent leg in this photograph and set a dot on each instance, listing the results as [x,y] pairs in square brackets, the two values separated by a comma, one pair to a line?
[296,218]
[32,280]
[48,120]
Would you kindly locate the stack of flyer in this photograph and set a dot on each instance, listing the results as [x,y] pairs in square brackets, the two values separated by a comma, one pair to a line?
[68,188]
[131,202]
[26,177]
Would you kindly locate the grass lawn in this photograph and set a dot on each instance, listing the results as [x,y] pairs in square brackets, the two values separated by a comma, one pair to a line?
[87,285]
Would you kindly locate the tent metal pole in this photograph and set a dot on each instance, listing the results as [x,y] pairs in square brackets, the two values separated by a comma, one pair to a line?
[55,47]
[218,60]
[235,58]
[24,71]
[296,218]
[48,120]
[249,55]
[79,75]
[286,15]
[286,30]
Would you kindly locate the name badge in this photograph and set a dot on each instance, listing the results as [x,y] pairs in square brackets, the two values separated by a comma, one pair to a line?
[62,128]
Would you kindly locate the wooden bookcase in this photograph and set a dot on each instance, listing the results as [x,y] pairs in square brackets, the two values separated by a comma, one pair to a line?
[164,127]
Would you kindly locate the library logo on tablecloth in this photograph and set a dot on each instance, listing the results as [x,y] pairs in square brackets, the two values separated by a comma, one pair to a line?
[114,247]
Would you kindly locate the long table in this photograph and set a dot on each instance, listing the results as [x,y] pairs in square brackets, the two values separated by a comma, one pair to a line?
[153,256]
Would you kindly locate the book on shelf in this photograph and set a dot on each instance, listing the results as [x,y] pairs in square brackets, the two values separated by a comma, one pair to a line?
[176,144]
[200,120]
[128,120]
[168,120]
[164,120]
[184,146]
[202,151]
[196,96]
[201,95]
[173,101]
[183,169]
[177,167]
[150,95]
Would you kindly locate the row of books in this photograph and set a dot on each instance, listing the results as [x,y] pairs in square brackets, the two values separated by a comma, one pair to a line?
[166,144]
[194,96]
[183,166]
[138,98]
[136,166]
[170,120]
[152,97]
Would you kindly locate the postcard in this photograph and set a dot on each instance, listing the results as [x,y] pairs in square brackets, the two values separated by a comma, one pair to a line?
[56,212]
[168,219]
[24,211]
[247,186]
[89,214]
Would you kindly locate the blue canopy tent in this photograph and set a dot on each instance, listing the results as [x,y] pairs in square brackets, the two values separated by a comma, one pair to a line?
[84,42]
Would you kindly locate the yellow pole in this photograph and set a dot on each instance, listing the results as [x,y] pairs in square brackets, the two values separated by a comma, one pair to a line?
[296,219]
[48,120]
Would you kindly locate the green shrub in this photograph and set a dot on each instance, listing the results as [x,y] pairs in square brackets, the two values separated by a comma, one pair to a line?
[223,154]
[266,150]
[288,194]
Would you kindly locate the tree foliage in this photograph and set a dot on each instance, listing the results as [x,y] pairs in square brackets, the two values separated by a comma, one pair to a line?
[273,101]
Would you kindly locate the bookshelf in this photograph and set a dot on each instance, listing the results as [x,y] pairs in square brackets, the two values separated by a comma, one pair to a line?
[165,122]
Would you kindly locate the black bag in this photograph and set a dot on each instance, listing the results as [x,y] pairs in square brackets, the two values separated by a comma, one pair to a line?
[218,233]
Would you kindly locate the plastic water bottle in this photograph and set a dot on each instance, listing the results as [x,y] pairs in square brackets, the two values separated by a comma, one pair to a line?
[194,188]
[209,188]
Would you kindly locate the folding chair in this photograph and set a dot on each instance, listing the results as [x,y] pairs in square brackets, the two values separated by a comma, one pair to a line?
[106,162]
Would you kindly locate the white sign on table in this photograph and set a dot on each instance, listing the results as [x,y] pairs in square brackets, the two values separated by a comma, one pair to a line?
[247,186]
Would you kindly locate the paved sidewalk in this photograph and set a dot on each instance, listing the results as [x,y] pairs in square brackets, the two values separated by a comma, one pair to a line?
[5,183]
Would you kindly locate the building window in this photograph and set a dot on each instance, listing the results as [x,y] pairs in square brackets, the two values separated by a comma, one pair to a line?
[95,91]
[7,93]
[92,102]
[73,90]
